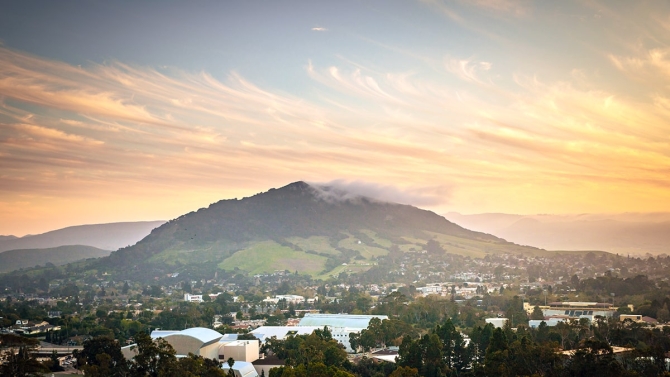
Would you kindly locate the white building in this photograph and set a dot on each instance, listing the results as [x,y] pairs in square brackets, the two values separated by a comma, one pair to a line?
[290,299]
[197,340]
[579,309]
[431,289]
[203,342]
[551,322]
[497,322]
[192,298]
[340,325]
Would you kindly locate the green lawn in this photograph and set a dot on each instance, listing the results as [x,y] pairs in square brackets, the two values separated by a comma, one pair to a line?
[379,240]
[185,255]
[349,268]
[367,252]
[318,244]
[268,256]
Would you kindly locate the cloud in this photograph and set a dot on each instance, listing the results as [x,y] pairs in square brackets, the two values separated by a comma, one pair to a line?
[504,7]
[468,69]
[430,131]
[319,29]
[343,190]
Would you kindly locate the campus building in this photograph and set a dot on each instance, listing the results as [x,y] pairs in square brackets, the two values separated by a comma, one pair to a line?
[579,309]
[203,342]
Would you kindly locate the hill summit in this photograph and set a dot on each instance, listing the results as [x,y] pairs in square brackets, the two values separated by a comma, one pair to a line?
[314,227]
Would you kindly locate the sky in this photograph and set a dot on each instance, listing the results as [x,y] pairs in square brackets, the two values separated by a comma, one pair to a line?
[124,111]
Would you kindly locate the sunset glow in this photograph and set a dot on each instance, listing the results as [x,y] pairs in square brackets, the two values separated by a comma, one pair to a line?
[144,111]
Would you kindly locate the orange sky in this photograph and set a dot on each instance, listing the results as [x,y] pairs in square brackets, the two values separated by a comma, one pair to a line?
[468,106]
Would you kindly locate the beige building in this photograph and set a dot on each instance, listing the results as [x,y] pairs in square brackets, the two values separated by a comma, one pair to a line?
[197,340]
[631,317]
[239,350]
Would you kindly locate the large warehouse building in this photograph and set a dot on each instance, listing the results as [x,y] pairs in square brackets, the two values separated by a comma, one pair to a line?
[203,342]
[340,326]
[579,309]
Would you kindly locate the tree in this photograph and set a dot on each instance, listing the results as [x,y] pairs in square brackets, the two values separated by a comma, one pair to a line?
[434,248]
[574,281]
[55,363]
[405,372]
[537,313]
[230,363]
[410,354]
[595,358]
[663,315]
[154,358]
[21,364]
[101,356]
[195,365]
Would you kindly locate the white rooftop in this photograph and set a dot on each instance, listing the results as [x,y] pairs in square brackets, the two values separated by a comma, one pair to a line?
[280,332]
[352,321]
[202,334]
[245,369]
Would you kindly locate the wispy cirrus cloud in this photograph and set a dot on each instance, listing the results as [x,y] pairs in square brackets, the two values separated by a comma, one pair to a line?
[468,69]
[505,7]
[447,128]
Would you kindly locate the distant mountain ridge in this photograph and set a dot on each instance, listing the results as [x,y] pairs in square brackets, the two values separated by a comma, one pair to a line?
[25,258]
[110,236]
[301,222]
[634,233]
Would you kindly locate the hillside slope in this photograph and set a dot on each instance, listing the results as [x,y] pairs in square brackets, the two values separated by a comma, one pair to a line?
[313,228]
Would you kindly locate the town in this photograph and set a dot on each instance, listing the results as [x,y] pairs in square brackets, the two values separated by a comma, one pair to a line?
[559,302]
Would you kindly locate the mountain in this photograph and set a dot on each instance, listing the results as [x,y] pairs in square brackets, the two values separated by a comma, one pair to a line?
[102,236]
[15,259]
[7,238]
[310,228]
[626,233]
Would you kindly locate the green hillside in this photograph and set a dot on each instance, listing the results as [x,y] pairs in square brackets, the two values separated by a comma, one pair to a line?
[314,230]
[25,258]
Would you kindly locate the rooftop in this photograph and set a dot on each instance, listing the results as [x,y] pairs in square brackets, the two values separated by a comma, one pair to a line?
[339,320]
[204,335]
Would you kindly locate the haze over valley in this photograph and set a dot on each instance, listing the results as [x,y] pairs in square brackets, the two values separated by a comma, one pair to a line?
[627,233]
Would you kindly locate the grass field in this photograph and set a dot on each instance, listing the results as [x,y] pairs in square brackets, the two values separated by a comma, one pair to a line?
[479,248]
[379,240]
[213,252]
[269,256]
[318,244]
[349,268]
[367,252]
